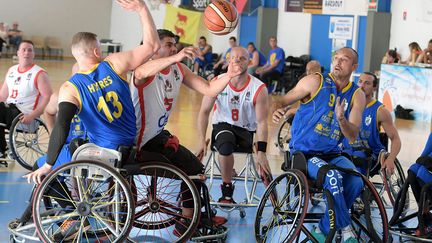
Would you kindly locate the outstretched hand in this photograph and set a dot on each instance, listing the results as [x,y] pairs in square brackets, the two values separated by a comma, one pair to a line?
[340,109]
[131,5]
[36,176]
[189,52]
[234,70]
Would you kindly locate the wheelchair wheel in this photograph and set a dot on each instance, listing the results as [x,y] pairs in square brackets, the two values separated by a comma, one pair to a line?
[393,183]
[284,135]
[93,204]
[28,142]
[282,209]
[369,217]
[160,191]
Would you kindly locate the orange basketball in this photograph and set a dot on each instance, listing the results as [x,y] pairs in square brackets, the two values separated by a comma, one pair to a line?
[220,17]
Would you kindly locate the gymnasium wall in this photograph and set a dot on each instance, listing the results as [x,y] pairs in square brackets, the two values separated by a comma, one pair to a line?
[125,28]
[60,19]
[416,27]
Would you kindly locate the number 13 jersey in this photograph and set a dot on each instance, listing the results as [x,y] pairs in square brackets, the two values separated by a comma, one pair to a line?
[237,106]
[106,108]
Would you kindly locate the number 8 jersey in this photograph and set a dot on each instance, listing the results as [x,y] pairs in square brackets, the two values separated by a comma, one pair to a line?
[106,108]
[237,106]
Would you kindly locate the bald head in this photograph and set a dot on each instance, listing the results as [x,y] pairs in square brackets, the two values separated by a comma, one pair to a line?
[240,51]
[313,67]
[348,51]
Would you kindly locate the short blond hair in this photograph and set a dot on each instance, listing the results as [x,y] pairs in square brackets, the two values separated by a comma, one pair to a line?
[83,43]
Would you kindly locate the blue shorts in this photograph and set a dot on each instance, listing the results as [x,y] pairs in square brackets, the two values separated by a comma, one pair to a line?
[63,157]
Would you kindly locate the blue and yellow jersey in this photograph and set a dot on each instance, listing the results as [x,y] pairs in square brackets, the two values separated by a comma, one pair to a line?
[277,54]
[369,132]
[262,59]
[315,127]
[77,130]
[106,107]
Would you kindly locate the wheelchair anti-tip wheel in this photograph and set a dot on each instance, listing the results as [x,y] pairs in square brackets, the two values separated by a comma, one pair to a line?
[93,204]
[160,191]
[28,142]
[282,208]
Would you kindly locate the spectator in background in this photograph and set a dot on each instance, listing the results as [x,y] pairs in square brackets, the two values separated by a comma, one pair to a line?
[415,52]
[3,36]
[427,53]
[275,65]
[222,65]
[391,57]
[204,54]
[257,59]
[313,66]
[15,35]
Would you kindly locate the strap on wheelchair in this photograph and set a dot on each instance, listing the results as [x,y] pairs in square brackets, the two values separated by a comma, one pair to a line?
[322,172]
[426,161]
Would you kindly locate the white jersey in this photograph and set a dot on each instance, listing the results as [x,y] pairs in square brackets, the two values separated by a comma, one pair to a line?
[23,88]
[237,106]
[154,101]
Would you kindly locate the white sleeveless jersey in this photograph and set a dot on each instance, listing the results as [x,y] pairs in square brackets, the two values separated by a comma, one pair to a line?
[23,88]
[154,101]
[237,106]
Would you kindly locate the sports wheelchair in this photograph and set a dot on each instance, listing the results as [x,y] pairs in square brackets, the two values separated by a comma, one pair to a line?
[388,186]
[414,224]
[26,142]
[111,198]
[283,215]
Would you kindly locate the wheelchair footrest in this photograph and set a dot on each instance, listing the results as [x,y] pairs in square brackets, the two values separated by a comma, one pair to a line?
[235,178]
[234,205]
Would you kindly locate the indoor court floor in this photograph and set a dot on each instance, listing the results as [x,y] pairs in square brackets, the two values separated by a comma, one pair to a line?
[15,192]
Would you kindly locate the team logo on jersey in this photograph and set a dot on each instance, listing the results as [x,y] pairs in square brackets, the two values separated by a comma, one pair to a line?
[168,86]
[368,120]
[176,75]
[29,76]
[235,99]
[248,94]
[344,101]
[17,81]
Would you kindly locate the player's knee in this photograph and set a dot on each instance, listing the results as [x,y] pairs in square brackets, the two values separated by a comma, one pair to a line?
[226,149]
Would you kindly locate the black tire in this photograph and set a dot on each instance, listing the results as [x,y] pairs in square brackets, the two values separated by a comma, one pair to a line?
[275,200]
[95,204]
[284,135]
[163,210]
[28,142]
[369,216]
[393,183]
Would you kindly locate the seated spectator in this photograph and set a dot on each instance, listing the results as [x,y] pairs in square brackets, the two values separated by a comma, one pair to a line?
[222,65]
[15,35]
[257,59]
[275,65]
[415,52]
[391,57]
[204,54]
[3,36]
[427,54]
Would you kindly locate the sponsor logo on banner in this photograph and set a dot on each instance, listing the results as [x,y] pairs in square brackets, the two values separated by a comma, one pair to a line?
[333,5]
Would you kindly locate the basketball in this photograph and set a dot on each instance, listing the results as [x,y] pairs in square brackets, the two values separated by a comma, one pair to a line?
[220,17]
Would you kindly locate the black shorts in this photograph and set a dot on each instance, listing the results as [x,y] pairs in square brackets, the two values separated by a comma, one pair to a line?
[241,138]
[183,159]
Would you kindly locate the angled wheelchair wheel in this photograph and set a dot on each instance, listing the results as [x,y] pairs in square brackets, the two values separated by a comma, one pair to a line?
[284,135]
[93,203]
[393,183]
[369,216]
[160,191]
[283,208]
[28,142]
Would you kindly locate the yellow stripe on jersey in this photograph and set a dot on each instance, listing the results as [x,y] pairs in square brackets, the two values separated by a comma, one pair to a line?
[90,70]
[316,93]
[377,119]
[78,97]
[119,74]
[352,98]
